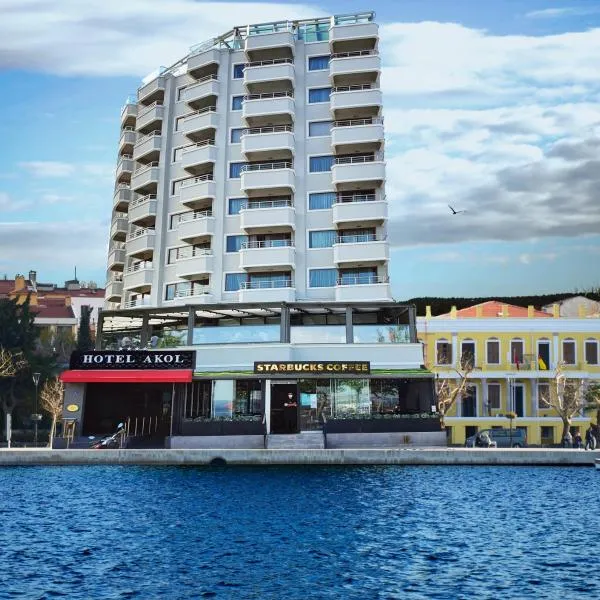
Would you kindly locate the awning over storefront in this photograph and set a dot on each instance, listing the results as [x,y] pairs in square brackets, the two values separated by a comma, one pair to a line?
[127,376]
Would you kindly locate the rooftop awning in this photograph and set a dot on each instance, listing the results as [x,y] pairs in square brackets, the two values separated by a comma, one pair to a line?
[127,376]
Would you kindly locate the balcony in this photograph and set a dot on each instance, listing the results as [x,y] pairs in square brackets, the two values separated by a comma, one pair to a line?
[141,242]
[145,178]
[346,35]
[122,197]
[197,122]
[275,215]
[147,148]
[127,140]
[119,228]
[260,109]
[360,249]
[142,211]
[124,169]
[263,44]
[204,88]
[273,254]
[347,68]
[355,101]
[267,291]
[116,257]
[267,75]
[368,170]
[197,294]
[273,140]
[150,118]
[193,262]
[199,158]
[129,113]
[197,190]
[137,303]
[359,208]
[357,135]
[138,277]
[271,176]
[202,61]
[114,290]
[195,225]
[152,91]
[368,288]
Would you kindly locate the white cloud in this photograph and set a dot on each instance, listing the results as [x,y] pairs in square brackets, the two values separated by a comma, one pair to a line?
[554,13]
[7,204]
[112,37]
[48,168]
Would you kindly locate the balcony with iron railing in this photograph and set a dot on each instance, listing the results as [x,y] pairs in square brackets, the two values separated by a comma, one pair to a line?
[277,141]
[367,170]
[272,176]
[270,42]
[193,262]
[129,112]
[142,210]
[147,147]
[122,197]
[348,68]
[119,227]
[114,289]
[267,254]
[355,207]
[198,190]
[360,249]
[141,242]
[357,135]
[127,140]
[269,109]
[196,293]
[153,91]
[195,225]
[201,91]
[116,256]
[277,215]
[199,158]
[362,287]
[150,118]
[196,123]
[138,277]
[124,169]
[269,75]
[141,302]
[279,289]
[349,33]
[145,178]
[355,101]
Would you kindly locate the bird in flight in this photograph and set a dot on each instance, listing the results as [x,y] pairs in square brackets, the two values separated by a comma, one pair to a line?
[456,212]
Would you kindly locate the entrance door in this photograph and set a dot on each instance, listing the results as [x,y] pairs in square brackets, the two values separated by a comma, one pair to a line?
[469,402]
[543,355]
[284,408]
[519,392]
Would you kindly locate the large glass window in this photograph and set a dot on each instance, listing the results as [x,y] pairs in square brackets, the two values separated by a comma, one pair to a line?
[401,396]
[320,278]
[319,128]
[235,169]
[233,281]
[236,136]
[238,71]
[248,398]
[313,32]
[351,397]
[235,205]
[223,394]
[195,398]
[319,95]
[318,329]
[234,242]
[321,200]
[236,102]
[321,239]
[318,63]
[381,334]
[230,331]
[591,352]
[320,164]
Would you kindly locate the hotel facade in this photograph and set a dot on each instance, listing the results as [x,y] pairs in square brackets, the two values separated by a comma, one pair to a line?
[248,244]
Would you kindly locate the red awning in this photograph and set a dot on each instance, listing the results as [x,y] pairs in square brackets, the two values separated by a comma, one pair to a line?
[128,376]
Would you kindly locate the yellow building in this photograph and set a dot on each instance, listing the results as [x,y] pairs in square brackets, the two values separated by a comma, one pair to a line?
[514,352]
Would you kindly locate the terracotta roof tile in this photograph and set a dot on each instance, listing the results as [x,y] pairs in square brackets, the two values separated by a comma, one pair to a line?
[493,308]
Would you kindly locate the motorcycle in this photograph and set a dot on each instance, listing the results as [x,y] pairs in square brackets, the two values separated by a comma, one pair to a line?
[111,441]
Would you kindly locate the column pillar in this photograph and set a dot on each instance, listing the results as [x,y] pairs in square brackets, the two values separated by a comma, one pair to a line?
[284,325]
[99,330]
[144,332]
[268,404]
[412,324]
[349,326]
[191,321]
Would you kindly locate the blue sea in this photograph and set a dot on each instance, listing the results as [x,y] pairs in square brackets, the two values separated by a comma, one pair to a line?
[299,533]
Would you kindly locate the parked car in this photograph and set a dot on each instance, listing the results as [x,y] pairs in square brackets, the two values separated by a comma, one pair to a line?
[503,438]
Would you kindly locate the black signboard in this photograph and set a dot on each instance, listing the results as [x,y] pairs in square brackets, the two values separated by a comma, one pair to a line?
[313,367]
[133,359]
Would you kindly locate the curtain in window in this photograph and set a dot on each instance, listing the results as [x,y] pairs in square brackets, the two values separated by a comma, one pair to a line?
[320,164]
[235,205]
[238,71]
[321,200]
[319,278]
[318,63]
[233,281]
[236,102]
[235,170]
[234,242]
[319,95]
[236,136]
[321,239]
[319,128]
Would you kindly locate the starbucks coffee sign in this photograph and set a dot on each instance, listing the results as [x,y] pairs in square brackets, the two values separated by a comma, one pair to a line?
[133,359]
[321,368]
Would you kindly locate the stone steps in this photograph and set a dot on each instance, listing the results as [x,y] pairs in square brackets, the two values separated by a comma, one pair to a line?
[296,441]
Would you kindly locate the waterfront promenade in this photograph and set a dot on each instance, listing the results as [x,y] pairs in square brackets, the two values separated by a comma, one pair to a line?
[371,456]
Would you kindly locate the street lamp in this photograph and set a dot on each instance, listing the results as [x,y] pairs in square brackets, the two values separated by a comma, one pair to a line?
[35,417]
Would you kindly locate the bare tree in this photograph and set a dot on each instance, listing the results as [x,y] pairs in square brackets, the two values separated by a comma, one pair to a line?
[449,390]
[10,364]
[566,396]
[51,398]
[592,397]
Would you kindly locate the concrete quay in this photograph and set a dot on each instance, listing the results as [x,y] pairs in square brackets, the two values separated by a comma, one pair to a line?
[347,456]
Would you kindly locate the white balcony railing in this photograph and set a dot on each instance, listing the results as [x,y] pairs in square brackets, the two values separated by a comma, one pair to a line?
[350,198]
[358,122]
[267,284]
[136,233]
[148,136]
[202,111]
[358,159]
[197,290]
[269,96]
[260,204]
[259,130]
[143,168]
[192,252]
[361,280]
[140,266]
[354,54]
[270,166]
[359,238]
[353,88]
[264,63]
[250,245]
[142,200]
[195,180]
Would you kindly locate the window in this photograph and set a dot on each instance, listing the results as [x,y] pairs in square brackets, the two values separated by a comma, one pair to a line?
[180,92]
[318,63]
[179,123]
[543,391]
[568,352]
[321,200]
[236,102]
[318,95]
[493,352]
[320,278]
[320,164]
[317,128]
[174,220]
[591,352]
[238,71]
[175,187]
[233,281]
[493,390]
[234,242]
[516,352]
[236,136]
[177,152]
[443,352]
[313,32]
[235,170]
[547,435]
[235,205]
[321,239]
[467,354]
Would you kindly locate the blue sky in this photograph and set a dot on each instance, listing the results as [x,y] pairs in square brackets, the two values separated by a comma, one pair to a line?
[490,106]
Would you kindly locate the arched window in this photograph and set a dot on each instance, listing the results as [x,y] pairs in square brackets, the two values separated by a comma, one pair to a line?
[443,352]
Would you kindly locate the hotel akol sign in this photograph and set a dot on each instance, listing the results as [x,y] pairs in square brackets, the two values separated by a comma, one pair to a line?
[133,359]
[313,367]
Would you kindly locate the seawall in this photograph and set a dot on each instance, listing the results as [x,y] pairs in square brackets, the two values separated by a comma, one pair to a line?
[370,456]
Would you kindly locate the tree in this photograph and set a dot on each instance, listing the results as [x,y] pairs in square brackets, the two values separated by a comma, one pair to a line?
[51,398]
[84,335]
[592,398]
[566,396]
[449,390]
[10,364]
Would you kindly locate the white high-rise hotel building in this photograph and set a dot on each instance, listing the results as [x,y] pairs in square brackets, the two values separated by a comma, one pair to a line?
[253,171]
